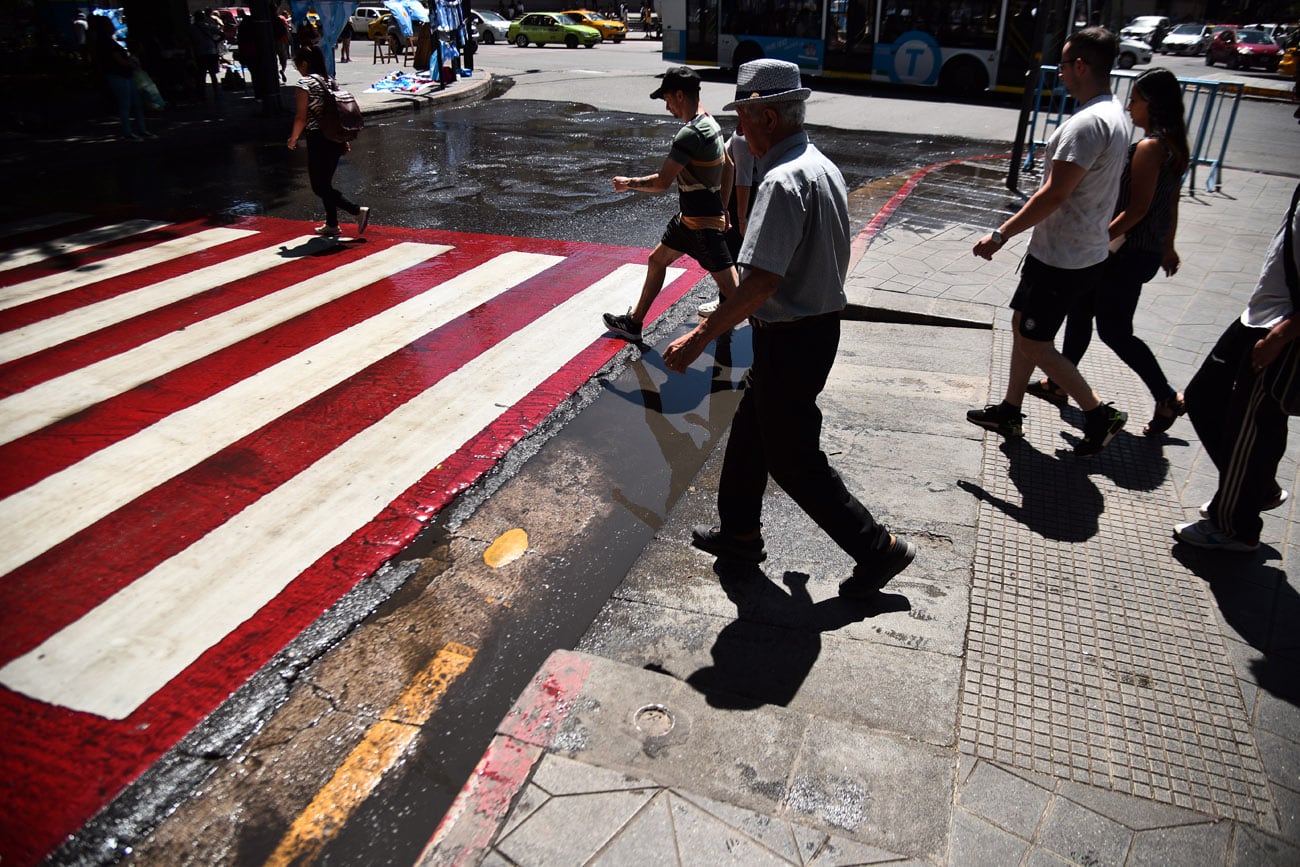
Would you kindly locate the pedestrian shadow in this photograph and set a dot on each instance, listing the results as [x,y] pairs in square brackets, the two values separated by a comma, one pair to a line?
[1132,460]
[1059,500]
[1261,606]
[319,247]
[765,654]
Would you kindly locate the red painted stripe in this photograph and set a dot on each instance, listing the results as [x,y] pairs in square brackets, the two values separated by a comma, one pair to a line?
[67,765]
[886,213]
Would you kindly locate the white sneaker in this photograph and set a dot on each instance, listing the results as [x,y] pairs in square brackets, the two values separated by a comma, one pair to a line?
[1203,534]
[363,220]
[328,231]
[708,308]
[1282,496]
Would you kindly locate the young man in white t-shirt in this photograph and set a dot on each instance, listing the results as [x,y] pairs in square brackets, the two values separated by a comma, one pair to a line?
[1070,215]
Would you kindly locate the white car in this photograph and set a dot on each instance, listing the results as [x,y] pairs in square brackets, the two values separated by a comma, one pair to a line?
[1131,53]
[489,27]
[1144,28]
[1187,39]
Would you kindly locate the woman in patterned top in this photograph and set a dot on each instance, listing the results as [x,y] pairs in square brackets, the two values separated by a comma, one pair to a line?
[322,154]
[1142,242]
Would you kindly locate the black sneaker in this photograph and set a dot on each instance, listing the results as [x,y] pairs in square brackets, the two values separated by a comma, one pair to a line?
[624,326]
[712,540]
[363,220]
[870,578]
[1099,429]
[999,417]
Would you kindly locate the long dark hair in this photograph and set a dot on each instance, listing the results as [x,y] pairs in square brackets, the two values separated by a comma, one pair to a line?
[1164,96]
[312,56]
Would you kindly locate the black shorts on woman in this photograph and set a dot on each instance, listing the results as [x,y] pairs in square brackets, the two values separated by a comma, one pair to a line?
[1046,293]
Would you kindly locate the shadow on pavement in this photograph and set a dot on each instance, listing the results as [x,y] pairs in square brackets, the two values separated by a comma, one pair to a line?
[764,655]
[1059,500]
[1261,606]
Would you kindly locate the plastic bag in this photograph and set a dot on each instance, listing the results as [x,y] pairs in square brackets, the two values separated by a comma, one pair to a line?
[148,90]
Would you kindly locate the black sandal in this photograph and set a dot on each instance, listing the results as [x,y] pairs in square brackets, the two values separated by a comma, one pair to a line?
[1048,391]
[1167,412]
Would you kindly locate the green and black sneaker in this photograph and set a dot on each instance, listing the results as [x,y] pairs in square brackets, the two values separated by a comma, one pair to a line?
[1001,417]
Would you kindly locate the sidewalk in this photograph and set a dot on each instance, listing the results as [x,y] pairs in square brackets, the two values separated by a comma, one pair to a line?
[1052,681]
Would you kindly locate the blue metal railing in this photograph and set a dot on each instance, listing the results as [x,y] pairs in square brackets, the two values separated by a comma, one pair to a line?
[1210,109]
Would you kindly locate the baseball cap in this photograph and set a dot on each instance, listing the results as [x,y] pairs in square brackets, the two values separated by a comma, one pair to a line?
[678,78]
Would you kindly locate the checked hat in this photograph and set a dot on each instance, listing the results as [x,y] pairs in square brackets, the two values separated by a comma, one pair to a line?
[767,80]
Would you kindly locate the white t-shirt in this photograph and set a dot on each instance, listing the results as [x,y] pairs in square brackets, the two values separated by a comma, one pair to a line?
[1077,234]
[744,160]
[1270,303]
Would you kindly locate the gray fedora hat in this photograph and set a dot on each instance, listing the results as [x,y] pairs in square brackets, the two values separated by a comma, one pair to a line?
[767,80]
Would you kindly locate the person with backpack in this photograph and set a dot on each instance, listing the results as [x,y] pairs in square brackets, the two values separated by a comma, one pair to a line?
[318,111]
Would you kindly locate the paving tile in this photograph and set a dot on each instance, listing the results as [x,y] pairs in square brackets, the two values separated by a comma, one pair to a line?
[1005,800]
[774,834]
[1083,836]
[556,775]
[1250,846]
[836,851]
[570,829]
[1191,844]
[1136,813]
[647,839]
[976,842]
[888,791]
[704,839]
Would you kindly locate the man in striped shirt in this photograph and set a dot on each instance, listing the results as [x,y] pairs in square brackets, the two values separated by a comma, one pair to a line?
[698,163]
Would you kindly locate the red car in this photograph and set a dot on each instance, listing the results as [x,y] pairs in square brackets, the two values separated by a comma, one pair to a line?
[1237,48]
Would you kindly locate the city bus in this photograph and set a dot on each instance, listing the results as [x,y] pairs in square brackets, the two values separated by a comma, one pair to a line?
[961,46]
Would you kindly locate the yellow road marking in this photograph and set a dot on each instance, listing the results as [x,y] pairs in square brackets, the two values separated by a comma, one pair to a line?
[507,548]
[383,744]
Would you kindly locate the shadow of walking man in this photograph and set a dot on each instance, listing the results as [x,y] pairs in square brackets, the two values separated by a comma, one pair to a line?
[766,653]
[1058,499]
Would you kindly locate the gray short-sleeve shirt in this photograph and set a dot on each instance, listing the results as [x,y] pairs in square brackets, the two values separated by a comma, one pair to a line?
[799,229]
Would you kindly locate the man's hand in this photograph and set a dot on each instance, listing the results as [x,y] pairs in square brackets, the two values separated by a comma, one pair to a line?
[621,184]
[986,247]
[684,350]
[1170,263]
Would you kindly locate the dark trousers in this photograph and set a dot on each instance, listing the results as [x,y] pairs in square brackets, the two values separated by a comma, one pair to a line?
[777,432]
[322,161]
[1113,304]
[1243,430]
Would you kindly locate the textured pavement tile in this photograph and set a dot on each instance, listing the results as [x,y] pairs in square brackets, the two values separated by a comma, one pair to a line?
[888,791]
[1004,799]
[570,829]
[1083,836]
[529,800]
[1192,844]
[821,850]
[976,843]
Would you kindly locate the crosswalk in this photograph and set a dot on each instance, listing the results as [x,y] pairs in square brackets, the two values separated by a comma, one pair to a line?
[210,432]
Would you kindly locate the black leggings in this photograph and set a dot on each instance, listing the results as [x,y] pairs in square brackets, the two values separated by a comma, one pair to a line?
[322,161]
[1113,304]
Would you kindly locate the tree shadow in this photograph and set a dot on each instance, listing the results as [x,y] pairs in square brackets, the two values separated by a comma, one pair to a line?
[765,654]
[1261,606]
[1058,498]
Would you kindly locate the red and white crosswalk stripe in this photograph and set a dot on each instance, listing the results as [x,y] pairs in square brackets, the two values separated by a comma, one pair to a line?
[211,433]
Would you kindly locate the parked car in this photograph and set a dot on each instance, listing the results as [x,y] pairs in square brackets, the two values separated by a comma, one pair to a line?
[489,26]
[1146,28]
[364,15]
[615,31]
[544,27]
[1131,53]
[1236,48]
[1187,39]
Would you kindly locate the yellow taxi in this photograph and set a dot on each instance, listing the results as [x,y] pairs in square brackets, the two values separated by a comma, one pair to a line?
[615,31]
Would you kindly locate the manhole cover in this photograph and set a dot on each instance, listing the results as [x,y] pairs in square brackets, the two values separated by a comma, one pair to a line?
[653,720]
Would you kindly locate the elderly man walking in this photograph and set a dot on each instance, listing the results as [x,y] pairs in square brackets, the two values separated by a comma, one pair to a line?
[794,260]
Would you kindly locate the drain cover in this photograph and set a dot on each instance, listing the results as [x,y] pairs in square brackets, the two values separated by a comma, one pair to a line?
[653,720]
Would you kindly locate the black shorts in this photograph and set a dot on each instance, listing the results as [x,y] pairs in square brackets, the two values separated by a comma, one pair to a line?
[1045,295]
[706,246]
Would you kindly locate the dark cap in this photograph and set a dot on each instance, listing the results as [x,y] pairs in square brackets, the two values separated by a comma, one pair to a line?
[678,78]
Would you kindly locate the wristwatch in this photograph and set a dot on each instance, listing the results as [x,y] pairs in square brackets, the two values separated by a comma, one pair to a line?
[997,238]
